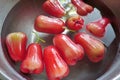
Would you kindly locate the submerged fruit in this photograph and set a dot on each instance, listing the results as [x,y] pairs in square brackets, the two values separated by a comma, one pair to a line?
[16,45]
[56,67]
[49,25]
[70,51]
[75,22]
[98,27]
[94,49]
[33,63]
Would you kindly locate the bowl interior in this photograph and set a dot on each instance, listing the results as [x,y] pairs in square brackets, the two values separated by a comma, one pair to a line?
[21,18]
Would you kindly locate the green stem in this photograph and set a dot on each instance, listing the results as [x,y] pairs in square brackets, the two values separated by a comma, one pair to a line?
[39,39]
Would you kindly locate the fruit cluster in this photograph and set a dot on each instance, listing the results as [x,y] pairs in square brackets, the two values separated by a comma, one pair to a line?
[64,50]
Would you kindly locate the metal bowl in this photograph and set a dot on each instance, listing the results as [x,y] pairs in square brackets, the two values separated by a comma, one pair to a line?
[19,15]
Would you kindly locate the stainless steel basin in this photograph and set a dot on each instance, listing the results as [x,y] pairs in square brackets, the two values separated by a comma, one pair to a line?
[19,15]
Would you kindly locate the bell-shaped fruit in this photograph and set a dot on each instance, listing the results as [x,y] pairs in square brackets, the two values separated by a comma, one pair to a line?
[33,63]
[82,8]
[94,48]
[16,45]
[56,67]
[54,8]
[98,27]
[70,51]
[49,24]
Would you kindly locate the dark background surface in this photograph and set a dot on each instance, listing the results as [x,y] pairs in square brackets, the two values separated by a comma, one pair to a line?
[114,5]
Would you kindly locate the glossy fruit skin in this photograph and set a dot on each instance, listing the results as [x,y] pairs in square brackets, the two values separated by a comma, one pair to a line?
[49,25]
[33,63]
[70,51]
[82,8]
[75,22]
[16,45]
[94,49]
[56,67]
[98,27]
[54,8]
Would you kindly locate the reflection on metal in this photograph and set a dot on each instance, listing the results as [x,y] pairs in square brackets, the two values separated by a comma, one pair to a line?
[21,18]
